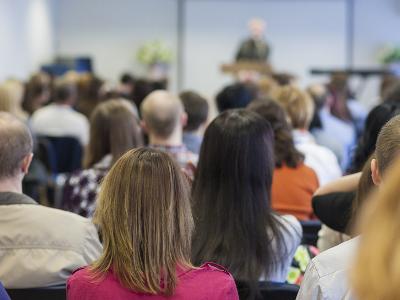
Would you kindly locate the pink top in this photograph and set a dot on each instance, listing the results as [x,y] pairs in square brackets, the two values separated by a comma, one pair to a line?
[209,282]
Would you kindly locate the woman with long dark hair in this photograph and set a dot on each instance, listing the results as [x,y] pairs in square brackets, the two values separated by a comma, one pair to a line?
[231,194]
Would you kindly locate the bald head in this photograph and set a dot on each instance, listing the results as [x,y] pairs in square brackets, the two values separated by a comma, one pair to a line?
[161,113]
[15,145]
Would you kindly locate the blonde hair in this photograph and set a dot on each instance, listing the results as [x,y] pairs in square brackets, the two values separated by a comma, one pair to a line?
[145,220]
[376,272]
[114,129]
[298,105]
[11,96]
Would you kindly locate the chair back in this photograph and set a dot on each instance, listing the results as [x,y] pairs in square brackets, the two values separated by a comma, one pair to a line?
[60,154]
[310,232]
[45,293]
[268,291]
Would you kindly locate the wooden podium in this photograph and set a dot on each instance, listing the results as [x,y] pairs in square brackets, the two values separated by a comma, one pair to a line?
[247,66]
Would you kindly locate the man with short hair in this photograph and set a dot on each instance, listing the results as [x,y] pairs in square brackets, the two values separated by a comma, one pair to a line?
[39,246]
[196,108]
[59,119]
[163,118]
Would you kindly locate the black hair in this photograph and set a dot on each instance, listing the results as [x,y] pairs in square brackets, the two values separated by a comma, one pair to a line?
[376,119]
[234,223]
[196,108]
[127,78]
[237,95]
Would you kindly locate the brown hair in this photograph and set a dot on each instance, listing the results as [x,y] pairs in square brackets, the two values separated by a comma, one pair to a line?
[196,108]
[388,143]
[284,150]
[298,105]
[145,220]
[114,129]
[375,274]
[15,144]
[39,85]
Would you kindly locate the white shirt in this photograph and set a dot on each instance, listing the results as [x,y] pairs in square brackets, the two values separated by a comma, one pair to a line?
[292,238]
[319,158]
[58,120]
[326,277]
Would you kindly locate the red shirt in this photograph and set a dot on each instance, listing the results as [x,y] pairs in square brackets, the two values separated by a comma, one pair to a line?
[292,191]
[209,282]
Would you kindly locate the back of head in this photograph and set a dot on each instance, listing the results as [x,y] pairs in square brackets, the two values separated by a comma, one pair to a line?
[15,144]
[196,107]
[392,93]
[37,87]
[114,129]
[284,149]
[388,144]
[145,220]
[298,105]
[231,196]
[237,95]
[161,112]
[376,119]
[65,91]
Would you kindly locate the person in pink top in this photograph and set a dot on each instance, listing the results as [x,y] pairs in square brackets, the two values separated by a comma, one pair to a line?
[146,224]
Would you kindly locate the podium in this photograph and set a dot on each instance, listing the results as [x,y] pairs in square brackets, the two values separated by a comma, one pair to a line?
[247,66]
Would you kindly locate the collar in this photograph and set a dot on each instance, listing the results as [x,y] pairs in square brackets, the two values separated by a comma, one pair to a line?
[302,137]
[10,198]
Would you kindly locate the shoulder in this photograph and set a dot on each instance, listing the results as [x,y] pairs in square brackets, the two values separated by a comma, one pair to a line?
[335,260]
[215,273]
[291,225]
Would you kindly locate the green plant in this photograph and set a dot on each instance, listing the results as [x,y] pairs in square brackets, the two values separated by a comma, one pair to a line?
[389,55]
[154,52]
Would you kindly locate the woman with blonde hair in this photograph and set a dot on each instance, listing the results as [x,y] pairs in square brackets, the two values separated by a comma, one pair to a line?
[114,129]
[146,224]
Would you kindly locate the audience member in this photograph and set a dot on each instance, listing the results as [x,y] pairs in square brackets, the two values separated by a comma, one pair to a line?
[327,274]
[376,118]
[324,126]
[163,119]
[11,96]
[40,246]
[37,92]
[114,129]
[126,86]
[237,95]
[294,183]
[299,108]
[89,93]
[234,223]
[59,119]
[196,108]
[375,274]
[146,223]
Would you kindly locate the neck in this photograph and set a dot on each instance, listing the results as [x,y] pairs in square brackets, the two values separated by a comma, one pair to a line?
[175,139]
[11,185]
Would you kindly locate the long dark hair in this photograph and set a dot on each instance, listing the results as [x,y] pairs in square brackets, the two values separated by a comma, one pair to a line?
[285,150]
[377,117]
[234,223]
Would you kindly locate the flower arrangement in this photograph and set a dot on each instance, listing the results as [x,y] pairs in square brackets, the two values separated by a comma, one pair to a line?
[154,52]
[389,55]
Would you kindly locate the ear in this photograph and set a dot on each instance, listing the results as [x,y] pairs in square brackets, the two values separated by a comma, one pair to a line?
[26,162]
[184,119]
[144,126]
[376,176]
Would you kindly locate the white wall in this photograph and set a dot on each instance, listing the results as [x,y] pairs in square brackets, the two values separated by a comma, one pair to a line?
[26,36]
[112,31]
[302,34]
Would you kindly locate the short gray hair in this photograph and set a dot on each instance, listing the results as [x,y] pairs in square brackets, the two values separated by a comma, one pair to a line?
[15,144]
